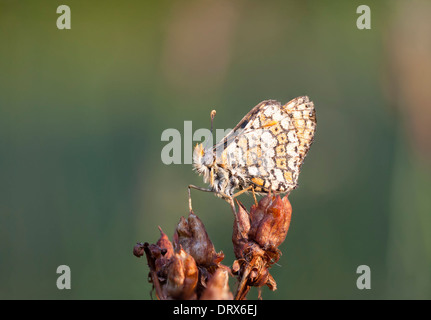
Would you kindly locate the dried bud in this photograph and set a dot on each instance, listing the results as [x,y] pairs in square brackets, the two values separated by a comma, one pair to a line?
[218,286]
[162,252]
[241,228]
[138,250]
[270,221]
[165,245]
[192,237]
[258,212]
[182,276]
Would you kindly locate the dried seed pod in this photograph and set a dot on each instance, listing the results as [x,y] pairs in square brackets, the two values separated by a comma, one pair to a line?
[271,230]
[218,286]
[182,275]
[165,245]
[257,213]
[138,250]
[162,253]
[241,228]
[192,236]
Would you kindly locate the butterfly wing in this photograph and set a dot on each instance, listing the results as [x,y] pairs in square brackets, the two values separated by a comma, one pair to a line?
[303,115]
[267,147]
[244,125]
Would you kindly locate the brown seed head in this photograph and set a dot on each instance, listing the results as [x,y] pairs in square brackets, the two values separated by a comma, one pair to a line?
[192,236]
[182,276]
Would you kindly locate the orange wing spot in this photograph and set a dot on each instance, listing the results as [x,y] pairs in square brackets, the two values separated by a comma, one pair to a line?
[281,163]
[282,138]
[288,176]
[280,150]
[258,181]
[270,124]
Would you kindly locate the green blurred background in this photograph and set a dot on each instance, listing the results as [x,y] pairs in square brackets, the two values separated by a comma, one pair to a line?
[82,112]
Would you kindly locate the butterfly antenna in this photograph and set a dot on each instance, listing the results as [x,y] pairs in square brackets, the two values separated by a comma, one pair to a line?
[213,113]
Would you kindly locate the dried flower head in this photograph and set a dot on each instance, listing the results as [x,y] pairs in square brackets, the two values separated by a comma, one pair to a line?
[256,237]
[188,267]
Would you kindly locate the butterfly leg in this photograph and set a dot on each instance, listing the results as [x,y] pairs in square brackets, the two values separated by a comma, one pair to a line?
[241,192]
[228,199]
[254,196]
[245,190]
[232,205]
[224,196]
[190,196]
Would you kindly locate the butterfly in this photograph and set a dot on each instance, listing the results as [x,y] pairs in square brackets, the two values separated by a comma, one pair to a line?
[264,152]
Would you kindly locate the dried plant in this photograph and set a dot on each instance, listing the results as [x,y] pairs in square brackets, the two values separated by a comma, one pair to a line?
[256,237]
[189,268]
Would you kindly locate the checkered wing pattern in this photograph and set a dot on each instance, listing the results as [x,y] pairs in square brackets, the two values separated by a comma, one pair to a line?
[268,146]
